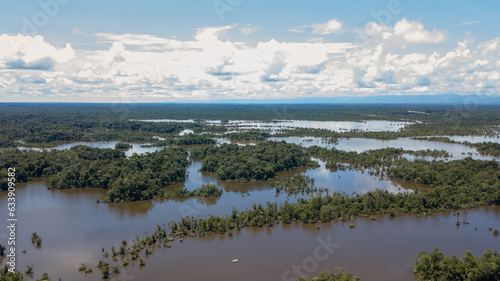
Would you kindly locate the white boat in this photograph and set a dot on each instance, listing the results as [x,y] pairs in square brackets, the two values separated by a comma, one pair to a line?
[235,260]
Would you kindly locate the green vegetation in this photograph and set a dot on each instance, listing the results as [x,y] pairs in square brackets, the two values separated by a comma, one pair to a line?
[326,275]
[458,184]
[6,275]
[138,178]
[295,184]
[436,266]
[188,139]
[2,249]
[487,148]
[206,190]
[35,239]
[484,148]
[45,123]
[123,145]
[246,163]
[248,135]
[377,159]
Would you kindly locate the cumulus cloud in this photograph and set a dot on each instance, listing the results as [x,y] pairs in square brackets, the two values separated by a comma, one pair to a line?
[142,67]
[329,27]
[414,32]
[42,64]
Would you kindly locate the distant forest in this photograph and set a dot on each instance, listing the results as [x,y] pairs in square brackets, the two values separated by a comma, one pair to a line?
[38,124]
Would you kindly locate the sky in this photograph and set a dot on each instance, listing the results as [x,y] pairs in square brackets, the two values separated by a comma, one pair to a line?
[246,50]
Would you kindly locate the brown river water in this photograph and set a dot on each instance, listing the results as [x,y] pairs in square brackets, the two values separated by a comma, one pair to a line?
[74,228]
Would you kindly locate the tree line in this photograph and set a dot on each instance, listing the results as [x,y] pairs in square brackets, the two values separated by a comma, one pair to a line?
[251,162]
[139,177]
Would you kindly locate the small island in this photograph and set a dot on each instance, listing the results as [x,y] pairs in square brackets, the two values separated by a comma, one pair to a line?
[123,145]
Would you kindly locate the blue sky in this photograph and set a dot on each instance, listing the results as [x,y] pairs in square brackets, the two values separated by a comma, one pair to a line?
[241,49]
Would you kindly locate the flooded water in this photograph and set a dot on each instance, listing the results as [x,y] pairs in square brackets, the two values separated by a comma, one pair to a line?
[136,147]
[457,151]
[337,126]
[374,250]
[74,228]
[475,139]
[348,181]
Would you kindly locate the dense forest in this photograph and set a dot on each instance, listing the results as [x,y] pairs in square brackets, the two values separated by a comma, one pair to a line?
[206,190]
[188,139]
[46,123]
[295,185]
[139,177]
[248,135]
[437,266]
[246,163]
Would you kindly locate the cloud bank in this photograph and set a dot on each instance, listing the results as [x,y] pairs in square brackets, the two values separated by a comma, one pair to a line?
[394,60]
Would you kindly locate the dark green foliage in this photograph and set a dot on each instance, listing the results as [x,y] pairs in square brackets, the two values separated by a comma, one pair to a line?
[248,135]
[206,190]
[138,178]
[44,123]
[472,189]
[188,139]
[326,275]
[436,266]
[295,184]
[245,163]
[459,173]
[488,148]
[35,239]
[5,275]
[122,145]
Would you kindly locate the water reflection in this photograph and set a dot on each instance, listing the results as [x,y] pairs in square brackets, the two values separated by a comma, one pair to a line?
[457,151]
[337,126]
[374,250]
[74,228]
[136,147]
[474,139]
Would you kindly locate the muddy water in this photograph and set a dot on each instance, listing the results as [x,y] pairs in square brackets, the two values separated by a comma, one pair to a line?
[74,228]
[343,181]
[374,250]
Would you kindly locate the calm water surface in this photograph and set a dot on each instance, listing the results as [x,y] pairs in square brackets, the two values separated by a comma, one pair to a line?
[74,228]
[337,126]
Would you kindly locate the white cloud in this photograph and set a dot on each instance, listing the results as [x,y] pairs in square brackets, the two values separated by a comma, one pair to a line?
[247,30]
[329,27]
[296,30]
[142,67]
[414,32]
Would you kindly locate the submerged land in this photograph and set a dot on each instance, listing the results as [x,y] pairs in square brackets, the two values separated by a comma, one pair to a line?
[141,189]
